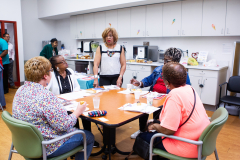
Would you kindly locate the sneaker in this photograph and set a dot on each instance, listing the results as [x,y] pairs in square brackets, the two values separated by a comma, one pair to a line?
[96,144]
[134,135]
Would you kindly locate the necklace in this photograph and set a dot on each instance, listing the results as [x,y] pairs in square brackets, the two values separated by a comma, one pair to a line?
[111,53]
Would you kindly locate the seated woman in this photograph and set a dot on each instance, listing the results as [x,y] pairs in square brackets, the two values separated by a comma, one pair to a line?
[176,110]
[35,104]
[157,84]
[64,81]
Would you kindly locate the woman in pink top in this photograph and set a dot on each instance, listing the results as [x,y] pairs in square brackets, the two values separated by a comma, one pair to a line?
[176,110]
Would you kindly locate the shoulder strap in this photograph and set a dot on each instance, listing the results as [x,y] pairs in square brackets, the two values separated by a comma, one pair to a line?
[100,49]
[120,49]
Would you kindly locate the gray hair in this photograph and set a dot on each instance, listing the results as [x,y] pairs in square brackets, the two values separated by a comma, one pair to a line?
[173,53]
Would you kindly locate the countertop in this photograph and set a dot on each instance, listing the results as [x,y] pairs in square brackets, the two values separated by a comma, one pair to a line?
[155,64]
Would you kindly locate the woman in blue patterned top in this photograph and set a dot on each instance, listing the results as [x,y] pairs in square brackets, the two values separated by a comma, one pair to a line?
[35,104]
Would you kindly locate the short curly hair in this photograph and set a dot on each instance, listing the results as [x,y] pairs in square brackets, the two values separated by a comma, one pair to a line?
[35,68]
[174,53]
[174,73]
[114,32]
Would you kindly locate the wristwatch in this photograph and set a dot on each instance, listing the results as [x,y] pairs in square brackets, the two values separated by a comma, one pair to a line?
[95,76]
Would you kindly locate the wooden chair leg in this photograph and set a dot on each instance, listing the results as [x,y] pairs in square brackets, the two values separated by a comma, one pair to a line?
[216,154]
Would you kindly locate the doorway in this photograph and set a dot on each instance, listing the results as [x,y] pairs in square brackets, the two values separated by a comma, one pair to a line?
[10,27]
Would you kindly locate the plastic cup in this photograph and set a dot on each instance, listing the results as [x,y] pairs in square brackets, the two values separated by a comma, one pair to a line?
[137,94]
[96,102]
[150,99]
[129,87]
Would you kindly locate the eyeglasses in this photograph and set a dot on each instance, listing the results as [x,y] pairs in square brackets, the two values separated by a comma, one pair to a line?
[167,60]
[50,70]
[64,61]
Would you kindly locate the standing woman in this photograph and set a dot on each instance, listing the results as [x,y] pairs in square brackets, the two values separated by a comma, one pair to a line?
[50,49]
[111,58]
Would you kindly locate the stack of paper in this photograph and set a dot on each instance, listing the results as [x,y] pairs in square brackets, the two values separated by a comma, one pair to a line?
[111,87]
[144,108]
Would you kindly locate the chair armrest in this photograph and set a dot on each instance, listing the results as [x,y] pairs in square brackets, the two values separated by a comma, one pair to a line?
[220,94]
[175,137]
[44,143]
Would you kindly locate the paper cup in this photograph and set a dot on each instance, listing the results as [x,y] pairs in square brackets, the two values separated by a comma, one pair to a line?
[150,100]
[137,94]
[129,87]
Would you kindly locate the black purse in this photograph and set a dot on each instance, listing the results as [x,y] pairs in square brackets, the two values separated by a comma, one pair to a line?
[141,147]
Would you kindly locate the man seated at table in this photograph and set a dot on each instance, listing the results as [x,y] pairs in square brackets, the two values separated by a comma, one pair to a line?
[64,81]
[35,104]
[156,82]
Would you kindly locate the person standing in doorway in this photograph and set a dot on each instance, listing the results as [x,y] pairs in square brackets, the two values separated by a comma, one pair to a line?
[5,59]
[50,49]
[11,54]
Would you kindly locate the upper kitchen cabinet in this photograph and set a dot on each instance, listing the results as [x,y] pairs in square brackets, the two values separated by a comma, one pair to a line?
[112,19]
[124,22]
[214,13]
[99,24]
[192,18]
[172,19]
[73,27]
[232,19]
[88,21]
[80,27]
[138,18]
[154,20]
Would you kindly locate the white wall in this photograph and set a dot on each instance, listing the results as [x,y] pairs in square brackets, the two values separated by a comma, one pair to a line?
[35,30]
[11,11]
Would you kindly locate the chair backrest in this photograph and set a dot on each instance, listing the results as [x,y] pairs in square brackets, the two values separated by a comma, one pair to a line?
[209,135]
[234,84]
[26,138]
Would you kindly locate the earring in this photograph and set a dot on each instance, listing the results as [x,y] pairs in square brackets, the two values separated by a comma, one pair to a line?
[57,69]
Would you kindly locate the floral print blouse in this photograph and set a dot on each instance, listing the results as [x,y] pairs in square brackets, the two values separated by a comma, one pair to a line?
[34,104]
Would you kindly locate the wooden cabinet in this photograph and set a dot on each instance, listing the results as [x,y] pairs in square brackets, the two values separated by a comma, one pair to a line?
[73,27]
[232,18]
[138,18]
[206,83]
[99,24]
[214,13]
[80,27]
[112,19]
[88,25]
[154,20]
[124,22]
[191,18]
[172,19]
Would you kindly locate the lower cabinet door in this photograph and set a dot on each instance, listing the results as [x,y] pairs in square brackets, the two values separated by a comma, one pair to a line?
[195,82]
[128,75]
[209,91]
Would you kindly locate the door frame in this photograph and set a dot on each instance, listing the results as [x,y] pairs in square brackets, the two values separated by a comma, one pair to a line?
[16,46]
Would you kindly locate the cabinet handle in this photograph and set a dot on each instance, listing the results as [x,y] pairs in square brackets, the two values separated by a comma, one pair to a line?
[222,31]
[147,33]
[143,33]
[228,31]
[182,32]
[201,73]
[204,82]
[198,81]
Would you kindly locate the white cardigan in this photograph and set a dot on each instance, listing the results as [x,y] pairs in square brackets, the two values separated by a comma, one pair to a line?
[53,85]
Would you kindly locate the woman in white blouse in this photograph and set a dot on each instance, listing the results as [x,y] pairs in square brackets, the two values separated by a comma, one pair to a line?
[111,58]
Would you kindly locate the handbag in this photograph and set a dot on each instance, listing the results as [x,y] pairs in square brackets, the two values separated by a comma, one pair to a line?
[141,147]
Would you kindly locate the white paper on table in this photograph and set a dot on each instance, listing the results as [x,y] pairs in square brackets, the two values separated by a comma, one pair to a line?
[125,92]
[73,106]
[103,119]
[144,108]
[74,95]
[111,87]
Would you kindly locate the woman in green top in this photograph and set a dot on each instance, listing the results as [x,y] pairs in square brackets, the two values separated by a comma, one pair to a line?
[50,49]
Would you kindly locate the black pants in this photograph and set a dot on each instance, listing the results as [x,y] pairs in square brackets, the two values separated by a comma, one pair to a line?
[5,78]
[144,118]
[108,80]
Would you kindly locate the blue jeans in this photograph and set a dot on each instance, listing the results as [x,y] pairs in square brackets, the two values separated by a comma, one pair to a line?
[75,141]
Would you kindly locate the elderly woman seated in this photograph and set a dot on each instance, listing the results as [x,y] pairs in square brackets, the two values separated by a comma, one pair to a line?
[156,82]
[176,110]
[35,104]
